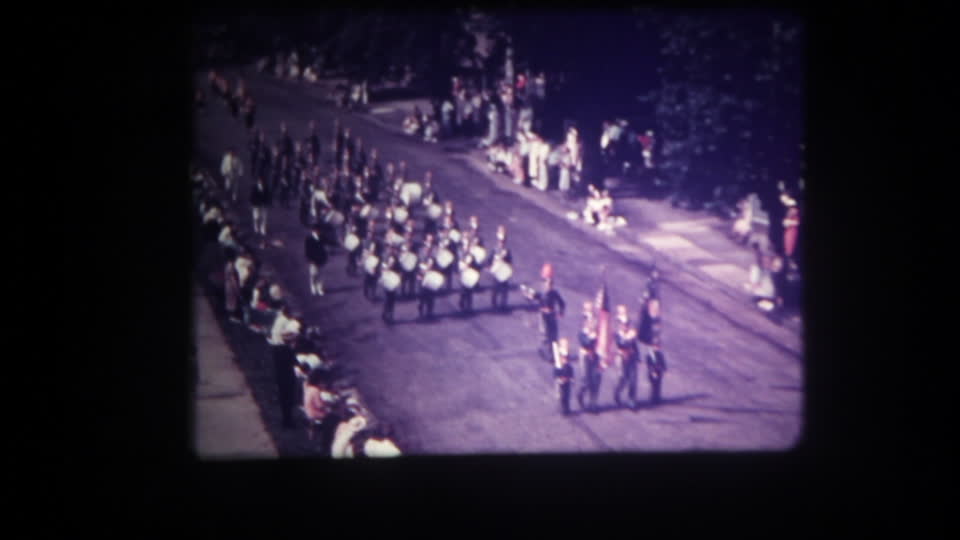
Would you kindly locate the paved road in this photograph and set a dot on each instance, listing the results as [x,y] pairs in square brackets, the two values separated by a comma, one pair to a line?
[476,385]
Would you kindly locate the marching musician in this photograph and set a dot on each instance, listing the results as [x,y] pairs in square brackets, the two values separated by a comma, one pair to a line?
[352,243]
[563,374]
[370,263]
[359,156]
[628,356]
[316,255]
[589,359]
[256,142]
[551,306]
[390,280]
[408,268]
[447,249]
[431,281]
[649,338]
[501,268]
[469,277]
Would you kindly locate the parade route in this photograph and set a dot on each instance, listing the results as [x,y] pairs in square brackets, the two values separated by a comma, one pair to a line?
[469,385]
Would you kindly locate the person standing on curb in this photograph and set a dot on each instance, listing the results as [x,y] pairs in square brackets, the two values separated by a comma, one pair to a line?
[563,374]
[316,255]
[232,169]
[284,331]
[231,287]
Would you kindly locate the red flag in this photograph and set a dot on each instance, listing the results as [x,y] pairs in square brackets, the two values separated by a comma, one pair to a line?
[603,324]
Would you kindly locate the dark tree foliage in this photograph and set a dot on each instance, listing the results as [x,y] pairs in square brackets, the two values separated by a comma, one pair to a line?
[730,102]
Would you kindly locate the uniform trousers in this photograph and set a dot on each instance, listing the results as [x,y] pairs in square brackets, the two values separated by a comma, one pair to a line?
[316,283]
[628,380]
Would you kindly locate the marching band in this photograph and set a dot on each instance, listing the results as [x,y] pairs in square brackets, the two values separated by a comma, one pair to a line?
[373,213]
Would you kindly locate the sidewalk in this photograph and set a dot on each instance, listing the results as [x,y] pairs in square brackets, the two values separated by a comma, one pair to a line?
[695,241]
[228,423]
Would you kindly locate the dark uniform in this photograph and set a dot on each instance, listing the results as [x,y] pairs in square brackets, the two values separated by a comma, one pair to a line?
[649,335]
[563,375]
[590,362]
[551,304]
[626,339]
[316,255]
[370,247]
[427,295]
[501,289]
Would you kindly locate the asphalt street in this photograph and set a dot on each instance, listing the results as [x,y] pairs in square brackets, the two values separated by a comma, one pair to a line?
[476,385]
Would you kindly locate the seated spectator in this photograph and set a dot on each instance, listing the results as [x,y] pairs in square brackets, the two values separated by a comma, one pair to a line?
[350,424]
[318,404]
[763,277]
[379,443]
[743,225]
[309,75]
[431,130]
[411,124]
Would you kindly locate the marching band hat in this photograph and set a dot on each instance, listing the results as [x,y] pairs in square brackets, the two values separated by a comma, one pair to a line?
[547,271]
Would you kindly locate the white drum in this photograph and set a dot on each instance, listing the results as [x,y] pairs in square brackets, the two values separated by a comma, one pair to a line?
[408,261]
[394,239]
[400,214]
[444,258]
[370,264]
[469,277]
[334,217]
[434,211]
[351,242]
[455,236]
[479,254]
[411,193]
[501,271]
[390,280]
[366,211]
[433,280]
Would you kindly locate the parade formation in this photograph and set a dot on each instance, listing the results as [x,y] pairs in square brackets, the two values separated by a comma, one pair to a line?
[419,286]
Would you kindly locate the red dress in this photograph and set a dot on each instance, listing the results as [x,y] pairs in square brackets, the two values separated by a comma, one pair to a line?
[790,229]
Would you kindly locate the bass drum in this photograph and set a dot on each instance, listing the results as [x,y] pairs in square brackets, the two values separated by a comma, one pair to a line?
[351,242]
[408,261]
[370,264]
[433,280]
[501,271]
[411,193]
[444,258]
[455,236]
[394,239]
[400,215]
[334,217]
[479,254]
[390,280]
[469,278]
[434,211]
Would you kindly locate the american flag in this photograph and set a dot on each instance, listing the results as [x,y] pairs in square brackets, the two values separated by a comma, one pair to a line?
[603,324]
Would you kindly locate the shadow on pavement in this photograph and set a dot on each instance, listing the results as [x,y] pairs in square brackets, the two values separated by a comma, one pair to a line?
[644,405]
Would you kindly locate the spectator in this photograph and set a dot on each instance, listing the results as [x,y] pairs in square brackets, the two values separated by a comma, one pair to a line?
[231,288]
[791,225]
[379,443]
[351,424]
[743,226]
[232,169]
[282,335]
[318,403]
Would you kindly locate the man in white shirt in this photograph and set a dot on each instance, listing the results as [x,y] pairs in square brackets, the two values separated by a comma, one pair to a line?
[232,169]
[282,335]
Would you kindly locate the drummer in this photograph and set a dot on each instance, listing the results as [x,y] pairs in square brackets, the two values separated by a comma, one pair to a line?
[469,277]
[501,262]
[390,281]
[371,262]
[430,282]
[408,268]
[352,243]
[450,237]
